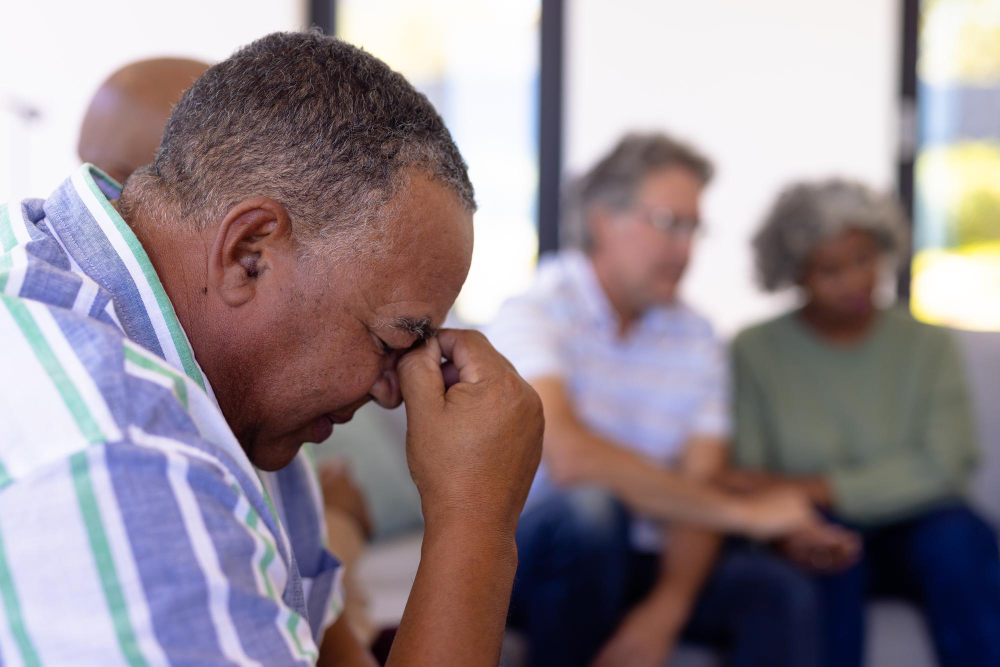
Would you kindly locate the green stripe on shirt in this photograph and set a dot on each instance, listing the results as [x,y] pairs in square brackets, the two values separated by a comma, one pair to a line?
[7,238]
[253,522]
[265,562]
[5,263]
[180,388]
[293,622]
[103,558]
[50,362]
[307,450]
[12,607]
[162,300]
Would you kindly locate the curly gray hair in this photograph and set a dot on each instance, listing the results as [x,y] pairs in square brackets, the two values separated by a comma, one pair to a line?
[313,122]
[613,181]
[809,213]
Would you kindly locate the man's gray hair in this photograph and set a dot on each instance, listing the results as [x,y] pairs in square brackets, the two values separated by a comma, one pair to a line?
[320,126]
[809,213]
[614,180]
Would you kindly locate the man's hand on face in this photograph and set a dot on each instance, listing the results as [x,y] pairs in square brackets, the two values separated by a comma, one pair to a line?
[474,431]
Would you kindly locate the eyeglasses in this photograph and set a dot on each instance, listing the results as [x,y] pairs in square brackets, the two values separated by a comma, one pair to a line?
[668,223]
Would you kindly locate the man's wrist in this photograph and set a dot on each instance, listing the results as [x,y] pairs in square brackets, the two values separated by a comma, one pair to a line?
[817,489]
[672,607]
[737,516]
[469,529]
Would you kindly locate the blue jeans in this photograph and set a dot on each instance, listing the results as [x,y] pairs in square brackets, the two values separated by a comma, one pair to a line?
[946,562]
[578,575]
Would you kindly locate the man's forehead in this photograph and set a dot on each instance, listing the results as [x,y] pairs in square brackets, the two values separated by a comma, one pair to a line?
[416,305]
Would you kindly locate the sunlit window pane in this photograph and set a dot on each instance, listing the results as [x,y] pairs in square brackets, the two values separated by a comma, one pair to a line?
[956,266]
[478,63]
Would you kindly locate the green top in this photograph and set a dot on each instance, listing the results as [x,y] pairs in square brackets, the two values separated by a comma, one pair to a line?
[886,420]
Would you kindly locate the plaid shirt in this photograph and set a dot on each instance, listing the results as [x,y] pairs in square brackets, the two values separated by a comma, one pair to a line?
[133,528]
[651,391]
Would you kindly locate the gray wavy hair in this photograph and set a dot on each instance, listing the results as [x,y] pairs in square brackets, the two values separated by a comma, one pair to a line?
[320,126]
[809,213]
[613,181]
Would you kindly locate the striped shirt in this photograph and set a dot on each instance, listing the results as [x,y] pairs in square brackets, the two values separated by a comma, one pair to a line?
[133,528]
[651,391]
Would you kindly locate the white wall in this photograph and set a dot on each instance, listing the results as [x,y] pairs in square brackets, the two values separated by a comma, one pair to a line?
[55,53]
[772,90]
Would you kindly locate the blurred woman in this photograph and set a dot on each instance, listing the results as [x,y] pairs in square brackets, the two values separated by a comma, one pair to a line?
[865,409]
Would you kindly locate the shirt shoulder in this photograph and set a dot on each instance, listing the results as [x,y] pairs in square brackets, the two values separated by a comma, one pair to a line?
[531,329]
[546,310]
[83,383]
[762,335]
[688,321]
[901,324]
[66,366]
[554,292]
[35,264]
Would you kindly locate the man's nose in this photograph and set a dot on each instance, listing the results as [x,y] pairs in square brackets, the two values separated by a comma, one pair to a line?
[386,390]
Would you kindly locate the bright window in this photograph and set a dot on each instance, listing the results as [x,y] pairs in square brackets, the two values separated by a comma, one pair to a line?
[478,63]
[956,266]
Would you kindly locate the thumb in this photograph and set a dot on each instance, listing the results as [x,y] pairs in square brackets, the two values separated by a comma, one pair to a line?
[420,377]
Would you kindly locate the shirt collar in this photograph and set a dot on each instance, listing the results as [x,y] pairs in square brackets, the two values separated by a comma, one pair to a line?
[595,300]
[591,294]
[133,282]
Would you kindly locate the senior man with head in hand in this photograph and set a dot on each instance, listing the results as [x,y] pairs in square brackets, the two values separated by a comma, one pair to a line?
[120,133]
[168,347]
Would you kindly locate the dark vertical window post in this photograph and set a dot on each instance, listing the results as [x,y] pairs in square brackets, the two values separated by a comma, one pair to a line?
[323,13]
[550,125]
[908,125]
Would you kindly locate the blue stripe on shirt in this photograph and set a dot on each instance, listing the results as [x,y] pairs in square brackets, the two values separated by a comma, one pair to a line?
[171,577]
[86,242]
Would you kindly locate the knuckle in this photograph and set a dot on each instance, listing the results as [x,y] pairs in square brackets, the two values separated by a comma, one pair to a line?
[511,383]
[477,341]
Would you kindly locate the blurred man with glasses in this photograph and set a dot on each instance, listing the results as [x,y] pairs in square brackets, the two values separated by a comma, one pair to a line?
[635,391]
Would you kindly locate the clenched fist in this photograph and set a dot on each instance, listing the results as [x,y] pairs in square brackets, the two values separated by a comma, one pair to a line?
[474,431]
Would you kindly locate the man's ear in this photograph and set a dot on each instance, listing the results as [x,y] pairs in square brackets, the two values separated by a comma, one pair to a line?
[253,239]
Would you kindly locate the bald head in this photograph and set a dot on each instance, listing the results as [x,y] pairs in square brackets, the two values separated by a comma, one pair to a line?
[124,122]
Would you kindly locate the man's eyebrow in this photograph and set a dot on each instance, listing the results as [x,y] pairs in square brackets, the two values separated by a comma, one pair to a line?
[419,327]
